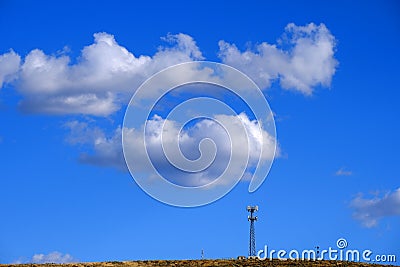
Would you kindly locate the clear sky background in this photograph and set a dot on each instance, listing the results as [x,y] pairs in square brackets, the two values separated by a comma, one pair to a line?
[65,194]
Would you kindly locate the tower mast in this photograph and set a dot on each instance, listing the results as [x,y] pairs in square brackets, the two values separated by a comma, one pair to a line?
[252,219]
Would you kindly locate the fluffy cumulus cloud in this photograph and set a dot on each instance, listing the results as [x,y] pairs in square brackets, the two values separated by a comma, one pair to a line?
[9,66]
[307,62]
[161,134]
[52,257]
[104,77]
[370,210]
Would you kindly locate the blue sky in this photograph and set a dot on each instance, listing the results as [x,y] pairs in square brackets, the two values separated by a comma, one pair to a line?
[64,186]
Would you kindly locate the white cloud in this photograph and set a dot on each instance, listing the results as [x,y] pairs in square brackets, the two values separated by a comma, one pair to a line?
[53,257]
[370,210]
[307,63]
[108,150]
[106,74]
[104,77]
[163,134]
[343,172]
[9,66]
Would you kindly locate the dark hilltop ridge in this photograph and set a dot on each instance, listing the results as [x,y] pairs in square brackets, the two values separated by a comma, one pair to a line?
[205,263]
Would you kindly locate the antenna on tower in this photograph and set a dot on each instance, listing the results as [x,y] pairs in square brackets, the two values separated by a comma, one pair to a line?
[251,219]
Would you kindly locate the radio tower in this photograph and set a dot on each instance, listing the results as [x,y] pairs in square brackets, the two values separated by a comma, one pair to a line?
[252,218]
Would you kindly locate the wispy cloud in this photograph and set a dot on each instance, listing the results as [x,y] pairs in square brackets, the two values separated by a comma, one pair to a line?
[370,210]
[343,172]
[105,149]
[53,257]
